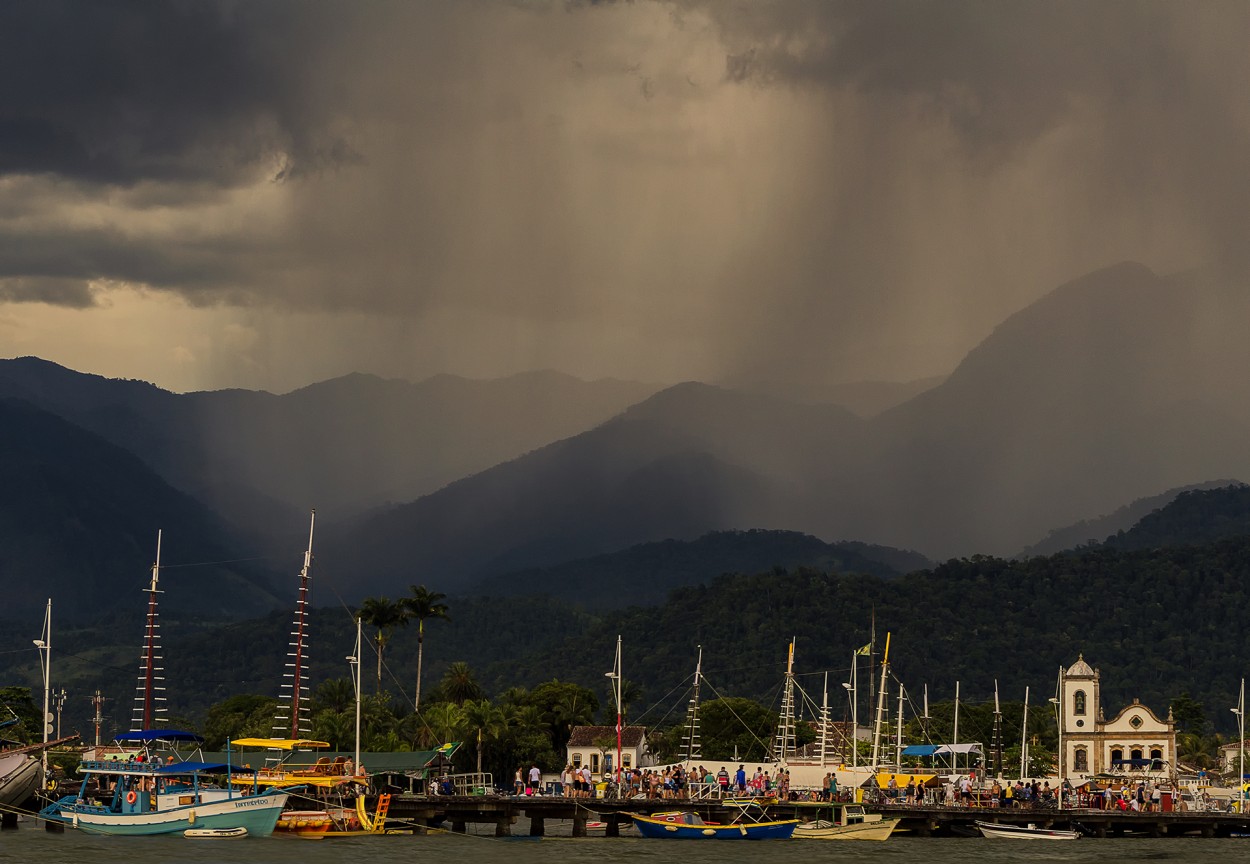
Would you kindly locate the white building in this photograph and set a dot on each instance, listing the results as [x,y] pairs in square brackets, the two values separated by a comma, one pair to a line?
[1134,741]
[596,746]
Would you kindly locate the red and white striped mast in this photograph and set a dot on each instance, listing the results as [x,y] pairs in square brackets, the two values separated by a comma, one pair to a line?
[150,696]
[293,695]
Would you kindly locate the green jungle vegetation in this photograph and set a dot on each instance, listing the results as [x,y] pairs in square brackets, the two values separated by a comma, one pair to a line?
[1163,623]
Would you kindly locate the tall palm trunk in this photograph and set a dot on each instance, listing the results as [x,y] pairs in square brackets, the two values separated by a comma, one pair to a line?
[381,645]
[416,702]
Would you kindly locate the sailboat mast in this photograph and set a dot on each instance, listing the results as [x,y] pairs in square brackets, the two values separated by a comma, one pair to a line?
[1024,736]
[785,726]
[872,654]
[693,748]
[824,723]
[955,733]
[876,734]
[898,760]
[998,734]
[294,722]
[149,699]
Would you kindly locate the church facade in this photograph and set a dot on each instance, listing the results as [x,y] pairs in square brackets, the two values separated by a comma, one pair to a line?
[1134,741]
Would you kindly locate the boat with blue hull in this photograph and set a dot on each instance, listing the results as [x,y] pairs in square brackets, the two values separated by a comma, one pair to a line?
[157,792]
[686,825]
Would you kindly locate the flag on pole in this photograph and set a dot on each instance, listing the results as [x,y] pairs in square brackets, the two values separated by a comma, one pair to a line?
[864,652]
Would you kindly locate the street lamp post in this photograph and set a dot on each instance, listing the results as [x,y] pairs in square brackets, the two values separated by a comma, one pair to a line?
[1240,711]
[1059,760]
[354,662]
[615,677]
[852,690]
[44,645]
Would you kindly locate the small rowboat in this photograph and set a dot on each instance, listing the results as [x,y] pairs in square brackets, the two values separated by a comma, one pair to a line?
[689,826]
[1022,832]
[215,833]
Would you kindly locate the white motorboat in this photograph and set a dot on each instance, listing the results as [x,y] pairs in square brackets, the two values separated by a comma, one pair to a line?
[1031,831]
[849,822]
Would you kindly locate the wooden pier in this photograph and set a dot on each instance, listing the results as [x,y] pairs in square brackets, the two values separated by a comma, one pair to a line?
[947,821]
[526,815]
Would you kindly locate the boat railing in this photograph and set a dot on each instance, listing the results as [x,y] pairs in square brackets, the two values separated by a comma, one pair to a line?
[475,783]
[705,791]
[128,766]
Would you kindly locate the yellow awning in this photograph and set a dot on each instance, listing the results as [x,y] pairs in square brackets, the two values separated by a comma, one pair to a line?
[323,781]
[279,743]
[883,779]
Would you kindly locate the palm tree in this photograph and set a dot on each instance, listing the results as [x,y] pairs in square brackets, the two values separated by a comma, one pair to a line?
[422,603]
[569,710]
[441,724]
[336,727]
[487,722]
[335,694]
[384,614]
[459,683]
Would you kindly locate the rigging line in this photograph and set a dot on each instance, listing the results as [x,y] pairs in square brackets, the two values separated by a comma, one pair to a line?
[215,563]
[385,665]
[767,749]
[661,700]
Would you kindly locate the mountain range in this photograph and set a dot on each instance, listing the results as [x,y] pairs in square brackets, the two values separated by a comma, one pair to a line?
[1117,386]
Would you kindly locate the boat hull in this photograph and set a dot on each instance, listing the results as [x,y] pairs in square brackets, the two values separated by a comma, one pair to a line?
[662,829]
[858,831]
[258,814]
[1019,832]
[19,778]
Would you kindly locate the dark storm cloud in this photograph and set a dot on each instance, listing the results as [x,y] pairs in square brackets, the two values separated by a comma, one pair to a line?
[72,293]
[113,91]
[54,259]
[775,189]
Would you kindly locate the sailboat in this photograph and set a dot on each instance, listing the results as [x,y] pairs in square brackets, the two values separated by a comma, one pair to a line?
[808,771]
[143,785]
[292,731]
[161,792]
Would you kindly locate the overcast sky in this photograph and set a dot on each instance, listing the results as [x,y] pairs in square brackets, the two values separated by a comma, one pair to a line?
[263,194]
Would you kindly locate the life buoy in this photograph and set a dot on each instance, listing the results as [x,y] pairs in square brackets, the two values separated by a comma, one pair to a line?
[131,797]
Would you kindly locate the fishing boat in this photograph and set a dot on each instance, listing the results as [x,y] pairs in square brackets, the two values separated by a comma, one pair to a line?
[846,822]
[1031,831]
[686,825]
[160,793]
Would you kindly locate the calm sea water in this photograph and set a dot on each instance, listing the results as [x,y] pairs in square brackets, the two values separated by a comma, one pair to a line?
[34,845]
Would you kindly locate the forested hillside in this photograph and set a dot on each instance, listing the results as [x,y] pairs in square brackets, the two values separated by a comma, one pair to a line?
[641,574]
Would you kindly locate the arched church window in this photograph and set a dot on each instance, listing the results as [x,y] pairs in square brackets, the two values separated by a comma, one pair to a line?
[1135,754]
[1156,753]
[1080,759]
[1117,755]
[1078,702]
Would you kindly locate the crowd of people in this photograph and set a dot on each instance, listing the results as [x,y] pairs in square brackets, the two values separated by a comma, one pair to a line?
[674,782]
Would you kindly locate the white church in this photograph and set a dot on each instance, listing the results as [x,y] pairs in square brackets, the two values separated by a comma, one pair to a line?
[1134,741]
